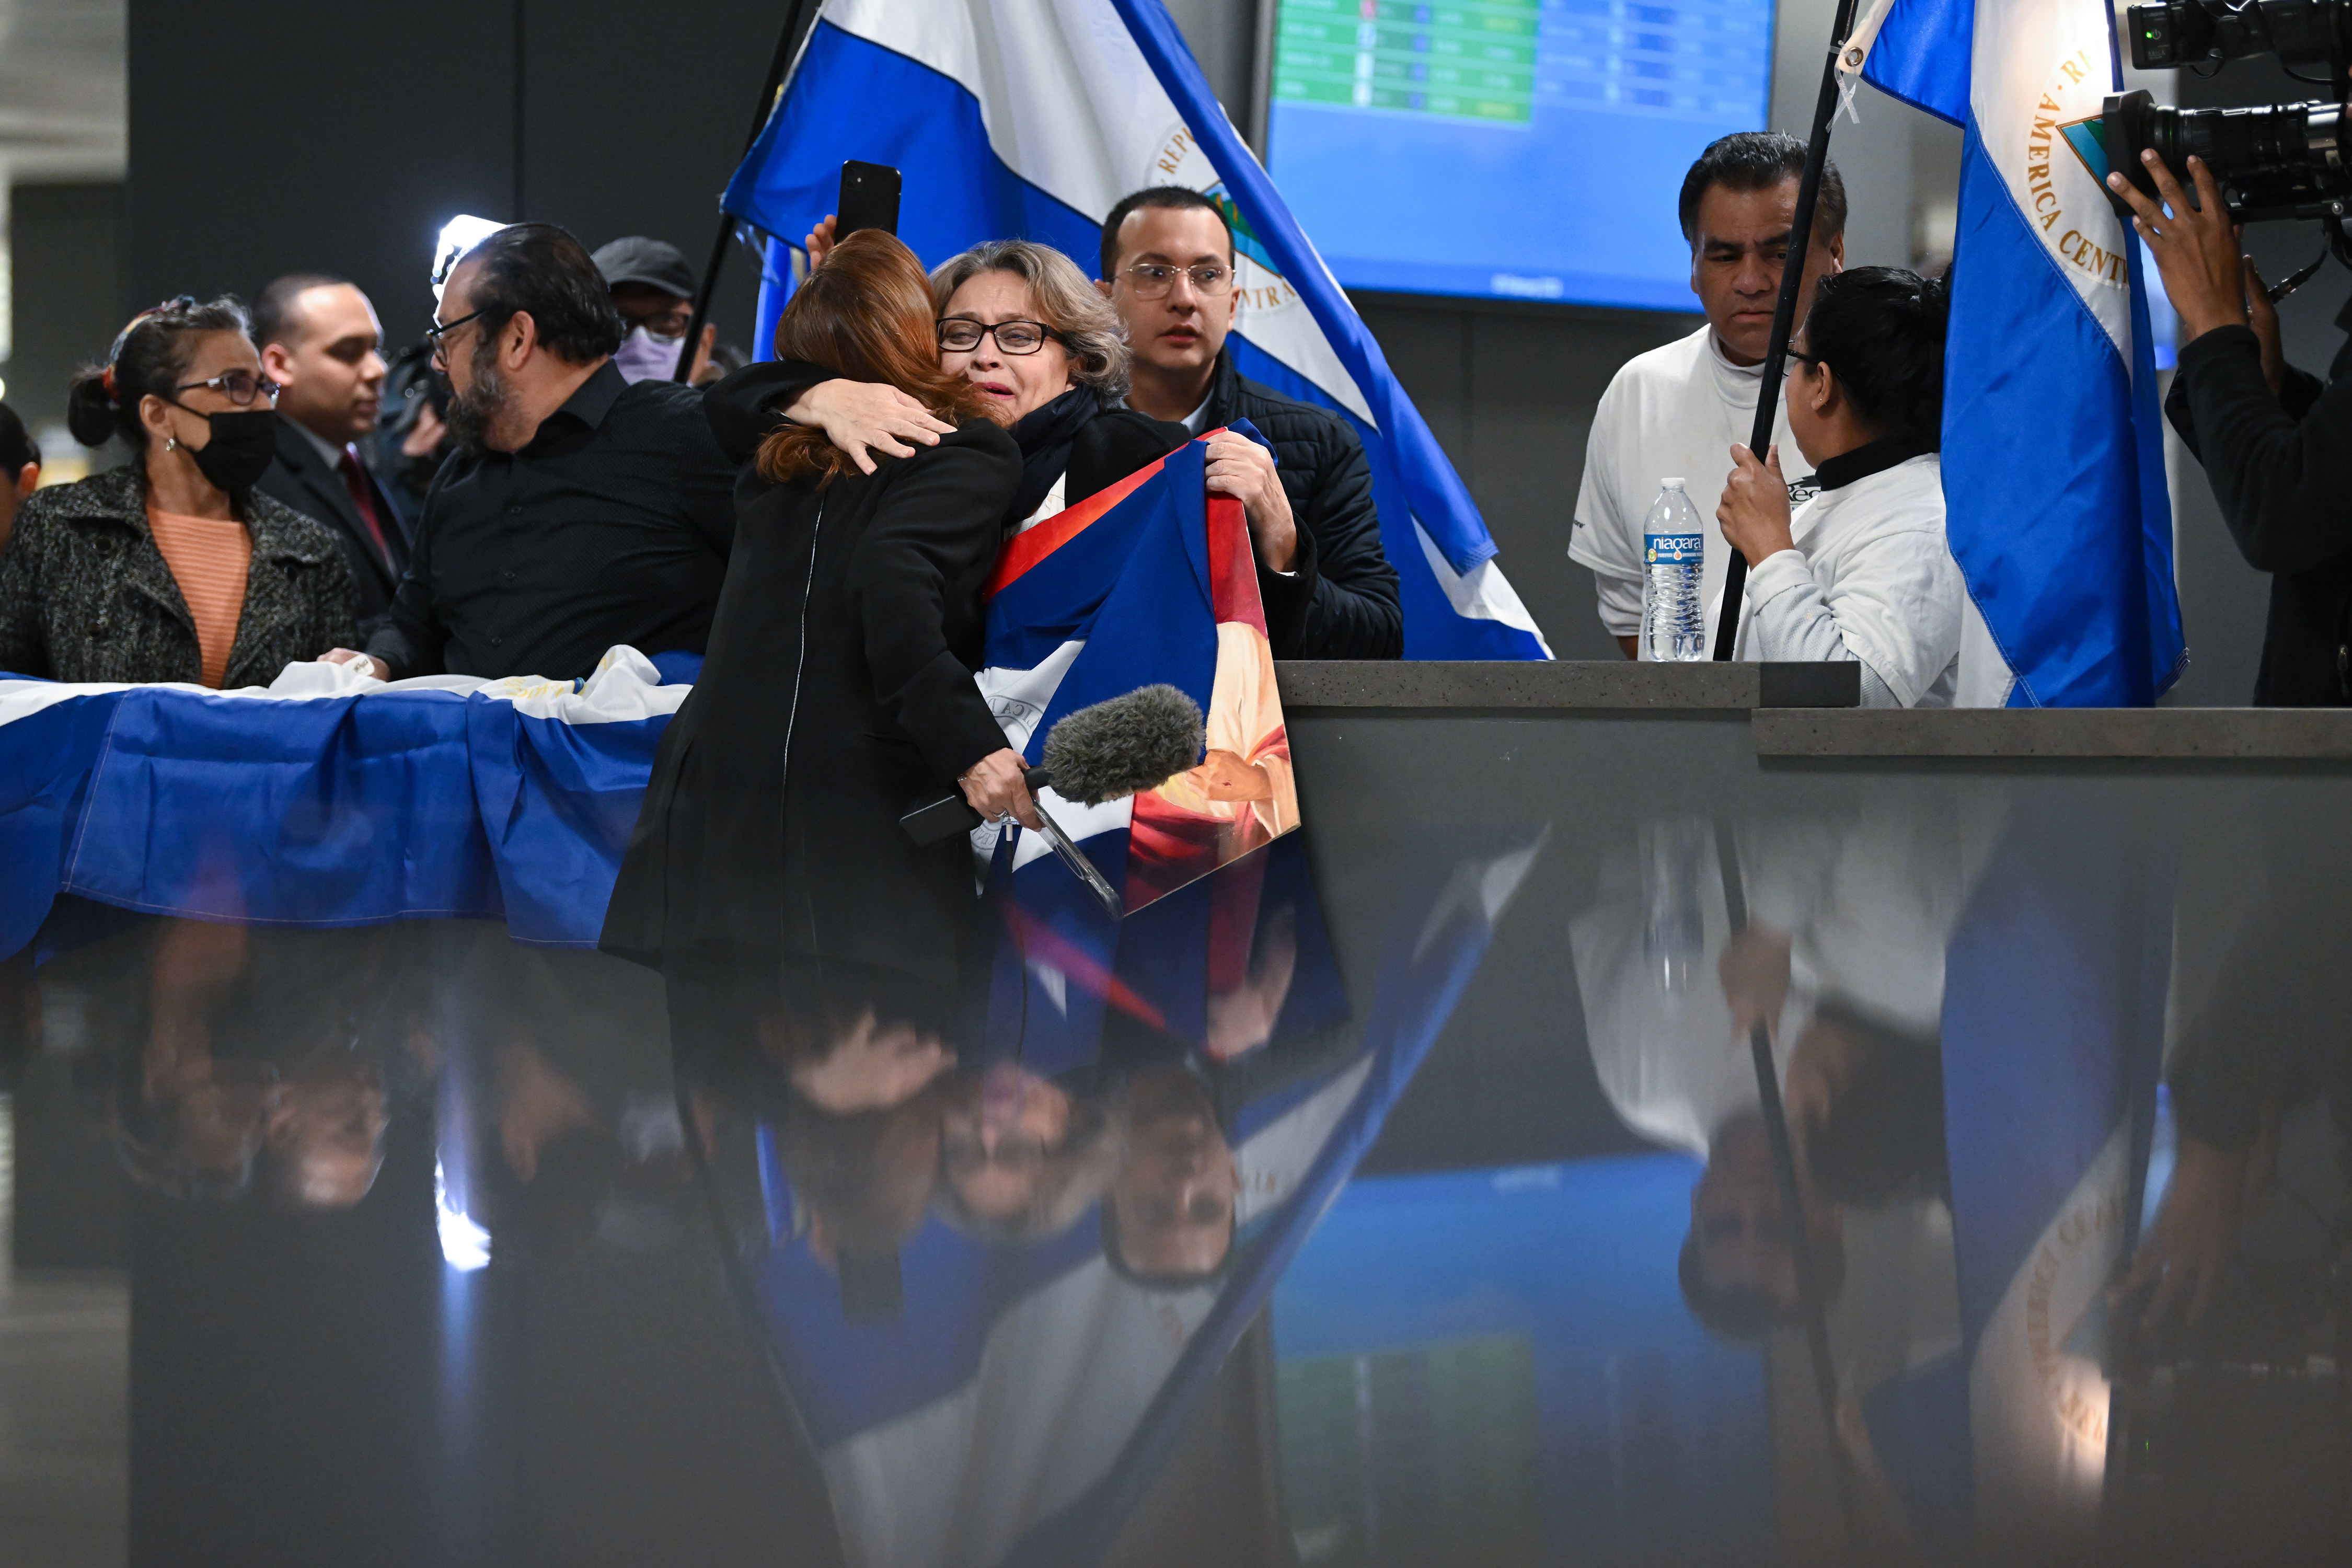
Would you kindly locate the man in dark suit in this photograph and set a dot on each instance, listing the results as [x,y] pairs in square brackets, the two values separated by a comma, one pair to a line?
[318,340]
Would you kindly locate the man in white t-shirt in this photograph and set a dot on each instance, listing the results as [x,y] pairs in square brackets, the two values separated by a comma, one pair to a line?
[1676,410]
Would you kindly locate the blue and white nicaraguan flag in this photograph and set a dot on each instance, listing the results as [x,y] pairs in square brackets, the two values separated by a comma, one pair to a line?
[331,799]
[2054,456]
[1030,118]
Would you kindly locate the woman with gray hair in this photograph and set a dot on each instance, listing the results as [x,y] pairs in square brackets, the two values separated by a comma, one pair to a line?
[1023,324]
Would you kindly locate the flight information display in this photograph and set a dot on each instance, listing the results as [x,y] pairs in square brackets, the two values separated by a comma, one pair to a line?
[1524,149]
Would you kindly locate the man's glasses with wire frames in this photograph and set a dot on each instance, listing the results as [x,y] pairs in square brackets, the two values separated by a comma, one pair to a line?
[1151,280]
[962,334]
[239,387]
[437,334]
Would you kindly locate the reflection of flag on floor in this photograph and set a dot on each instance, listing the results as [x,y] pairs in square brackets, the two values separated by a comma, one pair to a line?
[1031,118]
[1148,582]
[1029,1375]
[2068,555]
[2053,1025]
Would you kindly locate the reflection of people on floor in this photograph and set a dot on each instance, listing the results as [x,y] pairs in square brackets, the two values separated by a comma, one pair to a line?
[1021,1157]
[1843,962]
[569,1113]
[847,1067]
[326,1127]
[2260,1055]
[1168,1219]
[264,1058]
[1242,1014]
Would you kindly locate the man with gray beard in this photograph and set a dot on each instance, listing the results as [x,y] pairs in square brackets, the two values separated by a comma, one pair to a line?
[579,511]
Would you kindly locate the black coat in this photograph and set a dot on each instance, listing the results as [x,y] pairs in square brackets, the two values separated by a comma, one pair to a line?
[1340,599]
[1106,449]
[2281,468]
[837,691]
[303,479]
[85,595]
[1113,445]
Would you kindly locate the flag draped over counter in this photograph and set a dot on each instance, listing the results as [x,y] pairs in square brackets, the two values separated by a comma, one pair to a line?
[328,800]
[2054,455]
[1031,119]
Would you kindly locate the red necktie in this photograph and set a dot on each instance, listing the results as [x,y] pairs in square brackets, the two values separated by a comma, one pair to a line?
[356,482]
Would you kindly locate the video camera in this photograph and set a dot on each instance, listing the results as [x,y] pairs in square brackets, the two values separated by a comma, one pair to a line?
[2274,160]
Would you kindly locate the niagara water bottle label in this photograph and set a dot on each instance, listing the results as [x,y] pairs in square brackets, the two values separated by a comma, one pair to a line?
[1673,548]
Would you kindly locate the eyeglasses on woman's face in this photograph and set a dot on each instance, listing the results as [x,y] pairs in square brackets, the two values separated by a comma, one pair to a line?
[1153,280]
[962,334]
[239,387]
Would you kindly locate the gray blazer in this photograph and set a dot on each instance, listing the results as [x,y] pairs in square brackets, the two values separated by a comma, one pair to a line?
[86,595]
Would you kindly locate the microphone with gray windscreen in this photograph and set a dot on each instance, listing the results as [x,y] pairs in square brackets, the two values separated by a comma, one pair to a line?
[1124,746]
[1118,747]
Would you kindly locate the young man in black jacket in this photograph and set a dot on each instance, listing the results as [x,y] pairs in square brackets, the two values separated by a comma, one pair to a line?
[2275,443]
[1330,591]
[320,342]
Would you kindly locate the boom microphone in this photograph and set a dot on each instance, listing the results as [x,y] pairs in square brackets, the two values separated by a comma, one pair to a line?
[1124,746]
[1118,747]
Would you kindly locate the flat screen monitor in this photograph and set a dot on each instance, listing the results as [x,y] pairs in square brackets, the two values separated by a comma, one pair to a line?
[1517,149]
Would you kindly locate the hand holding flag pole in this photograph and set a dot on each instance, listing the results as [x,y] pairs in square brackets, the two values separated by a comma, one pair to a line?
[1784,311]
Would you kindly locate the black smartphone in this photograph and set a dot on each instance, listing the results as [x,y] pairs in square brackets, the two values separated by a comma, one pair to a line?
[869,199]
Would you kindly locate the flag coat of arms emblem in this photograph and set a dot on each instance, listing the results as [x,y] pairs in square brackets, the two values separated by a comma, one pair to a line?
[2053,454]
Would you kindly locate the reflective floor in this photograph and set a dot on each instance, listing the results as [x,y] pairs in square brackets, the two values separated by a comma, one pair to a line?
[1909,1168]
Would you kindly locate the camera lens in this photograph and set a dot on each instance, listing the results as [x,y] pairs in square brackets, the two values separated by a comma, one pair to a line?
[2278,161]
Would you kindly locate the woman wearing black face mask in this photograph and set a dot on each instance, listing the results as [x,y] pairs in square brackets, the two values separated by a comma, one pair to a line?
[172,567]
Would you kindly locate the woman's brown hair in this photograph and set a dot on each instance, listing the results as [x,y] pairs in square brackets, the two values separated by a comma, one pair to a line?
[865,315]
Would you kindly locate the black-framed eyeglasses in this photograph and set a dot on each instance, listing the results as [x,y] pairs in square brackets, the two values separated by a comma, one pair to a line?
[960,335]
[239,387]
[1152,279]
[1796,357]
[438,334]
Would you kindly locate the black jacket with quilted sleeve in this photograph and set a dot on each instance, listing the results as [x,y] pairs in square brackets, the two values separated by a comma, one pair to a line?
[1339,600]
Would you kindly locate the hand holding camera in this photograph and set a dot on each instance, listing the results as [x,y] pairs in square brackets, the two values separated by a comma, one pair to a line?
[2194,243]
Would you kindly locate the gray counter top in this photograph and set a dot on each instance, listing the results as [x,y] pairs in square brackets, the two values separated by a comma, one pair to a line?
[1564,684]
[1808,711]
[2169,734]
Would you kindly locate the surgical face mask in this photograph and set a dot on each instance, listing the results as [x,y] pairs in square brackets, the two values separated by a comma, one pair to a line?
[643,356]
[242,447]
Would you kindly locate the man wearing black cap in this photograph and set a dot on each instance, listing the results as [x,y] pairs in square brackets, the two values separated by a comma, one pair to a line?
[653,288]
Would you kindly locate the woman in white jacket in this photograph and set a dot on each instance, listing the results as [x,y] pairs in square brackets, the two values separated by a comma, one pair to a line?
[1862,570]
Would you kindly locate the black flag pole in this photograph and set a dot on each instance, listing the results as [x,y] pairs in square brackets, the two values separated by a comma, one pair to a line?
[777,66]
[1811,1295]
[1784,311]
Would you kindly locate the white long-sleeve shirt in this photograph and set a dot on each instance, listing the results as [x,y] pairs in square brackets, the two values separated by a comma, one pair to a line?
[1673,412]
[1871,580]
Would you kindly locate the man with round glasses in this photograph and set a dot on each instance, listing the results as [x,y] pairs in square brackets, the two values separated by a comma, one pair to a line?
[1330,591]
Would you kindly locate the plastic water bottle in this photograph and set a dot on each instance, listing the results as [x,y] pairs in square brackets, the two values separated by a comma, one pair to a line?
[1673,930]
[1673,554]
